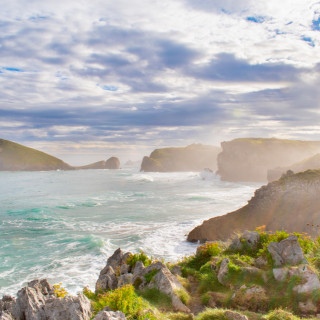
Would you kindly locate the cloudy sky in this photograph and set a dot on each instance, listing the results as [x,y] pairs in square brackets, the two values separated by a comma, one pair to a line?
[85,80]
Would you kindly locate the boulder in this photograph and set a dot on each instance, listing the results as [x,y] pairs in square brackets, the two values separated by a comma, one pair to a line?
[37,301]
[107,280]
[232,315]
[113,163]
[309,280]
[307,307]
[110,315]
[286,252]
[248,239]
[223,271]
[68,308]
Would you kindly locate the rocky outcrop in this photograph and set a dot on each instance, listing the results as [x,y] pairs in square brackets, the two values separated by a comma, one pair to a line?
[37,301]
[96,165]
[113,163]
[291,203]
[249,159]
[110,315]
[156,275]
[16,157]
[307,164]
[195,157]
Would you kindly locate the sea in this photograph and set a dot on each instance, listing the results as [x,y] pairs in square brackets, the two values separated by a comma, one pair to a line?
[63,225]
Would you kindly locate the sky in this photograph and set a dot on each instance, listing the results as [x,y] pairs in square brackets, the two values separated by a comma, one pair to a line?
[86,80]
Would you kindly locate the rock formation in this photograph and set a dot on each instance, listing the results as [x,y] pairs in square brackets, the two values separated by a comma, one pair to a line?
[96,165]
[195,157]
[113,163]
[16,157]
[307,164]
[117,273]
[291,203]
[37,301]
[249,159]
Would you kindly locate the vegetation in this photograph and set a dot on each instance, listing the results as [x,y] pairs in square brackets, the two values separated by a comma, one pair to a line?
[270,300]
[59,291]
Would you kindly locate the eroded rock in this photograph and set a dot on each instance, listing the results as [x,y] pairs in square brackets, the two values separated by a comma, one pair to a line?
[110,315]
[287,252]
[248,239]
[223,271]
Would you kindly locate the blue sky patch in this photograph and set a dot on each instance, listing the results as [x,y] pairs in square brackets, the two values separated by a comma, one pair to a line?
[316,24]
[258,19]
[13,69]
[309,41]
[110,88]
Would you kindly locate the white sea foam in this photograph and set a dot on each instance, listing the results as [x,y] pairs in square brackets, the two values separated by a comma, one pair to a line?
[64,225]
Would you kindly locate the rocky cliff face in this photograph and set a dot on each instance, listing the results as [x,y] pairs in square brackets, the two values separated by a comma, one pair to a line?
[249,159]
[195,157]
[113,163]
[15,157]
[292,203]
[307,164]
[96,165]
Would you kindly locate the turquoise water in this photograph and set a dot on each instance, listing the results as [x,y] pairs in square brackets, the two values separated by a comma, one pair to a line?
[63,225]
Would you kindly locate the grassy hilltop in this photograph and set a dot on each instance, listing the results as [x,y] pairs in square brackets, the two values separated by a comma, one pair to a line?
[16,157]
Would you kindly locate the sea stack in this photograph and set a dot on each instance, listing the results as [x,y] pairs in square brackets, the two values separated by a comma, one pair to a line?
[113,163]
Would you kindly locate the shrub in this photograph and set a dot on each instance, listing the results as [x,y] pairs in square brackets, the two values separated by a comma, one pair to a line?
[205,299]
[179,316]
[122,299]
[59,291]
[141,256]
[157,298]
[212,314]
[280,315]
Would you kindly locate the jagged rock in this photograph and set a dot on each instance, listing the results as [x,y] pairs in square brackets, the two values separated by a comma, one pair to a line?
[223,271]
[5,316]
[110,315]
[138,268]
[287,251]
[31,299]
[307,307]
[176,270]
[107,279]
[116,259]
[178,305]
[37,301]
[6,304]
[125,279]
[248,239]
[231,315]
[309,279]
[68,308]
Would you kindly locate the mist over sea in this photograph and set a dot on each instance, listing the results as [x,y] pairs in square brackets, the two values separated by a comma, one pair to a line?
[63,225]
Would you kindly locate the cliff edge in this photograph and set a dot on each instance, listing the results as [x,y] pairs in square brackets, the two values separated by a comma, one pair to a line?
[291,203]
[248,159]
[194,157]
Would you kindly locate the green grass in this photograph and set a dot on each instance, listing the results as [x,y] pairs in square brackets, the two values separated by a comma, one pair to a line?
[157,298]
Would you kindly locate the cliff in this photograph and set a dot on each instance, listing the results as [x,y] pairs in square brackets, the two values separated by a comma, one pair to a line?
[195,157]
[307,164]
[16,157]
[248,159]
[292,203]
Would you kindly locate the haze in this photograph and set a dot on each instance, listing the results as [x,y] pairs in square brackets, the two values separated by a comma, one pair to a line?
[86,81]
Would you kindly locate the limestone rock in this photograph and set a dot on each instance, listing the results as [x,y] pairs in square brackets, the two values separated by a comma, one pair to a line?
[223,271]
[261,262]
[124,279]
[113,163]
[110,315]
[7,304]
[138,268]
[307,307]
[5,316]
[68,308]
[107,279]
[248,239]
[287,251]
[231,315]
[309,279]
[176,270]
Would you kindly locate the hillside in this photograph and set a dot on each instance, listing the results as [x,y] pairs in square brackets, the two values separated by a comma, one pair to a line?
[249,159]
[194,157]
[16,157]
[307,164]
[292,203]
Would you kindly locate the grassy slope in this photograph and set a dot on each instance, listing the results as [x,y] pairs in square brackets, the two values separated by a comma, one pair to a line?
[16,157]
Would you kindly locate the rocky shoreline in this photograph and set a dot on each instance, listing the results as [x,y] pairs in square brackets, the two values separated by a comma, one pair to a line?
[248,277]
